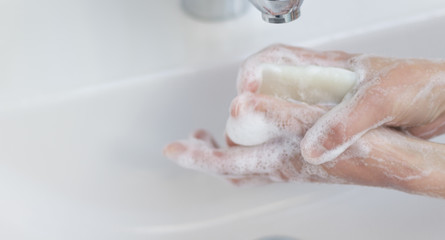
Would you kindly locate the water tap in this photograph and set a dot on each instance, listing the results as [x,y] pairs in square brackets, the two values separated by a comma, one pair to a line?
[273,11]
[278,11]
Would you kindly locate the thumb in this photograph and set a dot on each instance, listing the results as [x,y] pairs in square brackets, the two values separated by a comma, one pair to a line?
[343,125]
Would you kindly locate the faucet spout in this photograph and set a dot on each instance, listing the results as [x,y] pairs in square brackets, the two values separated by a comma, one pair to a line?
[278,11]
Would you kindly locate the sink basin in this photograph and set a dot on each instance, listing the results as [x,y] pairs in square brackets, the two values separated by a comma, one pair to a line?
[88,164]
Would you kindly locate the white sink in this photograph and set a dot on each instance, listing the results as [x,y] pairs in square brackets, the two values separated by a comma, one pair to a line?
[89,166]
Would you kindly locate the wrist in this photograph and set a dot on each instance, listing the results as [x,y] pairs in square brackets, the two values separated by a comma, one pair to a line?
[412,165]
[430,159]
[393,160]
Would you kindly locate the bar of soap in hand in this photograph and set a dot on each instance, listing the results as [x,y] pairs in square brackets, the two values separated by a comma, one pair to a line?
[310,84]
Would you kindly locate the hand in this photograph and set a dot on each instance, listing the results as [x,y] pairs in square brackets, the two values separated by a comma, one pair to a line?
[408,94]
[405,93]
[382,157]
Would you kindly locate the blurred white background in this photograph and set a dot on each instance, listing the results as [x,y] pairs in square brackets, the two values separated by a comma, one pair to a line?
[91,90]
[51,46]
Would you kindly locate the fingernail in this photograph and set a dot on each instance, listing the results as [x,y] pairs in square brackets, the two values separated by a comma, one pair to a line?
[173,150]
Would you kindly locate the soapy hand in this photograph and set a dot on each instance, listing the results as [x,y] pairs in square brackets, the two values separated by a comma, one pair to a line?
[382,157]
[378,157]
[408,94]
[405,93]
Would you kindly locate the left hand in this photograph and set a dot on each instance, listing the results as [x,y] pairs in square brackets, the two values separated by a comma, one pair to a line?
[382,157]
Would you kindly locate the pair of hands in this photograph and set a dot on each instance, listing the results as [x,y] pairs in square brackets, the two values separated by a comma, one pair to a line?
[373,137]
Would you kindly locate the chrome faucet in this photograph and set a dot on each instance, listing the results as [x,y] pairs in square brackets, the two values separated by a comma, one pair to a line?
[273,11]
[278,11]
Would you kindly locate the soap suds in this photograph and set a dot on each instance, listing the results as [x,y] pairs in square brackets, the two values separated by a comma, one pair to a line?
[250,129]
[236,161]
[329,155]
[275,160]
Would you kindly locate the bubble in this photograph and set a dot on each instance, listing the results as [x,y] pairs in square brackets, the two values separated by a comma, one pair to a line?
[250,129]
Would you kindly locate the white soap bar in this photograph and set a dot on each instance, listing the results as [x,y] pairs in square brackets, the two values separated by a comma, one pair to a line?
[310,84]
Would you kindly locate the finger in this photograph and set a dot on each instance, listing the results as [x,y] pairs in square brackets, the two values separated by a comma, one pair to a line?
[256,118]
[334,132]
[290,117]
[235,161]
[229,141]
[206,137]
[246,126]
[249,77]
[395,160]
[250,181]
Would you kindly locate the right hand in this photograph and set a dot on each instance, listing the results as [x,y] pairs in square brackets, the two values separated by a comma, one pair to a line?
[408,94]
